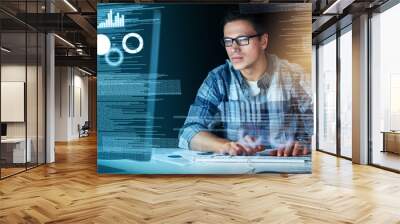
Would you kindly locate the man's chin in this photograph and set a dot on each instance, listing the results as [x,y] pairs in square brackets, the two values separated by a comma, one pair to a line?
[238,66]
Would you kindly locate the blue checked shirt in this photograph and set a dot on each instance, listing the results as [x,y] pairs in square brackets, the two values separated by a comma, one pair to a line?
[281,113]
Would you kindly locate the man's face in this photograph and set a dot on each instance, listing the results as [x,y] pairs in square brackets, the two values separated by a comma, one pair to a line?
[243,57]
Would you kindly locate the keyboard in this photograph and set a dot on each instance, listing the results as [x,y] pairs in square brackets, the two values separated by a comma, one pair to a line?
[249,159]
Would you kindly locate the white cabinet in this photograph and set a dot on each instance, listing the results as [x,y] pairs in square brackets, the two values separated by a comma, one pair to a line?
[18,149]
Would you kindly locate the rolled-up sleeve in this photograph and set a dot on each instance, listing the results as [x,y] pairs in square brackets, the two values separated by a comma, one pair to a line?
[202,112]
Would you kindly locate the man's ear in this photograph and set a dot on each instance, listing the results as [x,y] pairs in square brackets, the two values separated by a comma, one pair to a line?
[264,41]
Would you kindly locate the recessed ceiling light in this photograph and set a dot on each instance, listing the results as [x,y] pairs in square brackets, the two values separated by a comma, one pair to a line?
[5,50]
[337,7]
[64,40]
[70,5]
[84,71]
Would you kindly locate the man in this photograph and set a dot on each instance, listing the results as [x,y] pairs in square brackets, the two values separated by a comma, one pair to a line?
[252,102]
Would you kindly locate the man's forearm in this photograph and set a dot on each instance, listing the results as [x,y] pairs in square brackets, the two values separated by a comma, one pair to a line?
[206,141]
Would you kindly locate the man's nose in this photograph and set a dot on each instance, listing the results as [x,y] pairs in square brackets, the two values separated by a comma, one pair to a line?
[235,47]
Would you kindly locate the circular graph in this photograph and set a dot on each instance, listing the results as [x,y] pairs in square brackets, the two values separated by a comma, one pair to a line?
[120,59]
[132,51]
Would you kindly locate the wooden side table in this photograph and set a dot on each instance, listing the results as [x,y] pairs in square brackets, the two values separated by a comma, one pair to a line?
[391,141]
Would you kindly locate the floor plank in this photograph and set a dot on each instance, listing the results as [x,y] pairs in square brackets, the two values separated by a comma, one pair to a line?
[70,191]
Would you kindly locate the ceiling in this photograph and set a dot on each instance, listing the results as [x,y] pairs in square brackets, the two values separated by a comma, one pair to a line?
[76,25]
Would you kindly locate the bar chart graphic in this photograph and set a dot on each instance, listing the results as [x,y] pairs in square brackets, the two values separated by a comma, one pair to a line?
[119,21]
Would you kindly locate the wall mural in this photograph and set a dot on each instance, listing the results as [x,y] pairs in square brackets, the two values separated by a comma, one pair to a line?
[204,89]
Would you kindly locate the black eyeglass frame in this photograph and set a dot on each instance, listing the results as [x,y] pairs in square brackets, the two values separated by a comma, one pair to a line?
[237,39]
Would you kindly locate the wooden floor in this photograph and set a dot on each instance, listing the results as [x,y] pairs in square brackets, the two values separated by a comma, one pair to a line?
[9,171]
[5,172]
[70,191]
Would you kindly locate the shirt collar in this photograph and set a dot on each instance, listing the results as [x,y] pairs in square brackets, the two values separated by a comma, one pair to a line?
[272,66]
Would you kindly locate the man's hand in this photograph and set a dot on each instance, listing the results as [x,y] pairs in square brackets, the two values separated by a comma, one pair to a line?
[245,147]
[292,149]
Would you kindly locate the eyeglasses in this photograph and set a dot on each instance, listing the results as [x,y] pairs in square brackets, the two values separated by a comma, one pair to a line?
[240,40]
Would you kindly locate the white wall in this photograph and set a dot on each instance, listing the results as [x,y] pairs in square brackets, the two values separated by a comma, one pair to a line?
[11,73]
[71,94]
[17,73]
[33,127]
[61,103]
[79,117]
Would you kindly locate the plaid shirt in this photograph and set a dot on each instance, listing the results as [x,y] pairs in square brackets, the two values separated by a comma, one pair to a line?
[281,113]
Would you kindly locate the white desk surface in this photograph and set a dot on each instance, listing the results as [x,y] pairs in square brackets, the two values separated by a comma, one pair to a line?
[161,163]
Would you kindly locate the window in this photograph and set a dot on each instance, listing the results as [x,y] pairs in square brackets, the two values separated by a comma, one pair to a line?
[327,96]
[22,77]
[346,93]
[385,88]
